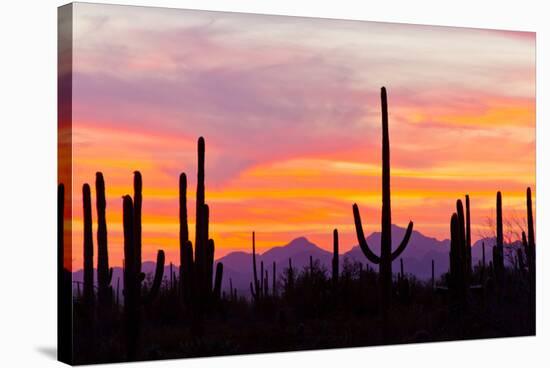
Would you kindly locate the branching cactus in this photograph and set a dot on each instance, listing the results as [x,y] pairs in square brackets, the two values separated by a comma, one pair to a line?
[196,268]
[387,256]
[104,273]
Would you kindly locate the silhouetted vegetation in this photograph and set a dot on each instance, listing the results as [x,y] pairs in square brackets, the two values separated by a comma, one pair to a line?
[188,314]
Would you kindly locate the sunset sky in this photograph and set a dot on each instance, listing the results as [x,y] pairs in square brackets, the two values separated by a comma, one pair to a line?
[290,111]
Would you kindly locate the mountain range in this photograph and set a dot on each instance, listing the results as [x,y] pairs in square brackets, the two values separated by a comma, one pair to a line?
[417,258]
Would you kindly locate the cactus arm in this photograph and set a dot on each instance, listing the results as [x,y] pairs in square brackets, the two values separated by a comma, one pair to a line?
[404,242]
[361,237]
[159,272]
[218,280]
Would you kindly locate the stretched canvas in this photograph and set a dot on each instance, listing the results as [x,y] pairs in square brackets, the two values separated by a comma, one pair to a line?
[239,183]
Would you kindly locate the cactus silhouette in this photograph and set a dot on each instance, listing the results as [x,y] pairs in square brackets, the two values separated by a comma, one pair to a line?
[104,273]
[468,244]
[387,256]
[498,249]
[88,247]
[529,247]
[457,257]
[196,270]
[138,185]
[132,270]
[256,287]
[335,257]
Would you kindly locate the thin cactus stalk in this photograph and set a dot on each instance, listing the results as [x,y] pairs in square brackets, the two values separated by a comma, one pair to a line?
[137,216]
[104,273]
[498,249]
[530,241]
[387,256]
[335,257]
[468,239]
[531,260]
[186,249]
[88,247]
[255,287]
[310,266]
[464,249]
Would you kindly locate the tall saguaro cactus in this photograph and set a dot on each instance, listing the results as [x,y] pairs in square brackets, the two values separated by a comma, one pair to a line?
[132,270]
[387,256]
[529,245]
[468,244]
[138,185]
[255,288]
[457,257]
[88,246]
[498,249]
[198,287]
[131,280]
[335,257]
[104,273]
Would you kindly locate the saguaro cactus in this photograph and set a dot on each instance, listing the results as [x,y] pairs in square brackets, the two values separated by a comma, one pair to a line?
[104,273]
[529,242]
[133,276]
[498,249]
[387,256]
[335,257]
[138,185]
[529,245]
[196,271]
[457,281]
[131,280]
[256,288]
[88,246]
[468,260]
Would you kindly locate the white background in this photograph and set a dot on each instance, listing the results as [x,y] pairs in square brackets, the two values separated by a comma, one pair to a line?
[28,181]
